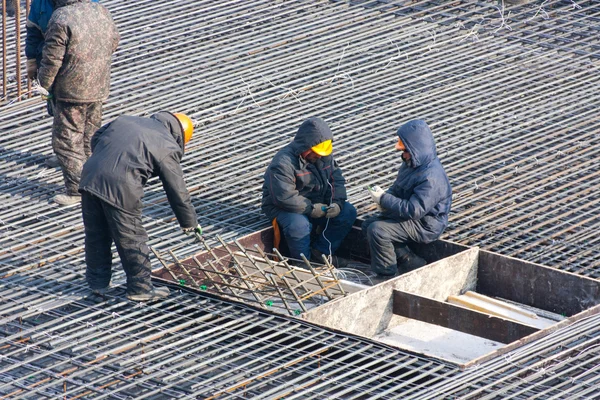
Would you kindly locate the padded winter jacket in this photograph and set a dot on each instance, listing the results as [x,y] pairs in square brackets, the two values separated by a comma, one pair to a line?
[80,40]
[293,184]
[422,191]
[129,151]
[40,12]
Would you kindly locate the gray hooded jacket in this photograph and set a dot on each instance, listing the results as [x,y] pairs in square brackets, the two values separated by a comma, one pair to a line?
[293,184]
[129,151]
[422,191]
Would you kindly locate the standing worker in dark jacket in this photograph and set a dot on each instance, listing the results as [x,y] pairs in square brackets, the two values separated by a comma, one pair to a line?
[126,153]
[415,208]
[75,70]
[304,187]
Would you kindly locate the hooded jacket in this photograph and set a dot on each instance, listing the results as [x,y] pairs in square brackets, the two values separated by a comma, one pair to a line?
[422,191]
[293,184]
[79,43]
[129,151]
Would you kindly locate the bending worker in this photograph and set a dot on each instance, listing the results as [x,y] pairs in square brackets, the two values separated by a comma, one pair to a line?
[125,154]
[304,189]
[415,209]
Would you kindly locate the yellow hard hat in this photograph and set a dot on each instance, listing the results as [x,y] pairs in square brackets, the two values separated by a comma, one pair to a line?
[187,125]
[323,149]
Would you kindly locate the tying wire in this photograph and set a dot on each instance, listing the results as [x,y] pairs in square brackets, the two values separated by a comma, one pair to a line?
[329,255]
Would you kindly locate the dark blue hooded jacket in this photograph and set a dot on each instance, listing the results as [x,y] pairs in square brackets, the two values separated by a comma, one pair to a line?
[293,184]
[422,191]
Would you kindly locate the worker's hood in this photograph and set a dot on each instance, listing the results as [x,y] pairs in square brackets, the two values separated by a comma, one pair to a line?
[61,3]
[419,142]
[172,124]
[312,132]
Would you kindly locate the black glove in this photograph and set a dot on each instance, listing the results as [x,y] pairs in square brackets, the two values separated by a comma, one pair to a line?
[49,104]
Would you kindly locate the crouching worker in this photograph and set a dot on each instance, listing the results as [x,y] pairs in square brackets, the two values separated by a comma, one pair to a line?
[415,209]
[125,154]
[304,190]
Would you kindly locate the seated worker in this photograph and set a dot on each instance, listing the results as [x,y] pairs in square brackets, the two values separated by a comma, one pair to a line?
[415,209]
[125,154]
[304,189]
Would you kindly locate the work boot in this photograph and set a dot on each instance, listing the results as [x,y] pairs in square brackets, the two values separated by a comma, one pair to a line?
[338,262]
[52,162]
[100,292]
[155,294]
[410,262]
[66,200]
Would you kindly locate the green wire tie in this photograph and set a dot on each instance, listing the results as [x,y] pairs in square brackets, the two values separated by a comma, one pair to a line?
[269,303]
[297,312]
[202,287]
[182,282]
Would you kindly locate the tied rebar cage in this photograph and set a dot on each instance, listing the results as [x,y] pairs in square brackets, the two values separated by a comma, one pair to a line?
[266,280]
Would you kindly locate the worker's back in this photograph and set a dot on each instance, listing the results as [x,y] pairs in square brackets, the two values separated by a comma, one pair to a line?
[80,40]
[126,153]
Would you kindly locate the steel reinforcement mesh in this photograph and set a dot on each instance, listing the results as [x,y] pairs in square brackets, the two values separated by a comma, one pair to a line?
[511,93]
[57,343]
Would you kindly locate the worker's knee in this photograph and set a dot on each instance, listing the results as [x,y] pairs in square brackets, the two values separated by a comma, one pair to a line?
[297,227]
[347,214]
[377,233]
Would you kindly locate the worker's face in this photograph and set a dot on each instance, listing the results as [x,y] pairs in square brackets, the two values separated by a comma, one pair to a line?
[401,147]
[310,156]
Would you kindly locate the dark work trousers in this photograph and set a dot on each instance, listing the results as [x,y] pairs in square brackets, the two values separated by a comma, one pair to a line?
[388,240]
[104,224]
[296,229]
[73,126]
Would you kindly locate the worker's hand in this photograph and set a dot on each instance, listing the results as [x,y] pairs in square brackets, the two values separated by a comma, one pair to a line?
[376,192]
[31,68]
[319,210]
[333,211]
[49,103]
[189,231]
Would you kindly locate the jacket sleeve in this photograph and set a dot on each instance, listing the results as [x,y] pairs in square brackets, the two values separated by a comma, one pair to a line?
[57,38]
[171,176]
[281,183]
[424,198]
[97,135]
[116,37]
[34,42]
[339,185]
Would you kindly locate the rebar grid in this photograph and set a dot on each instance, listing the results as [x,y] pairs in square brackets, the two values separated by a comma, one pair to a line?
[439,62]
[266,280]
[564,365]
[510,93]
[185,346]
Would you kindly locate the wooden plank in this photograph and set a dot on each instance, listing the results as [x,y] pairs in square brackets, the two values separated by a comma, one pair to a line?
[458,318]
[535,285]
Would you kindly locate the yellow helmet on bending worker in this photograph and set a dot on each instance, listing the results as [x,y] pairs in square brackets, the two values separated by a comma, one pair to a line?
[187,125]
